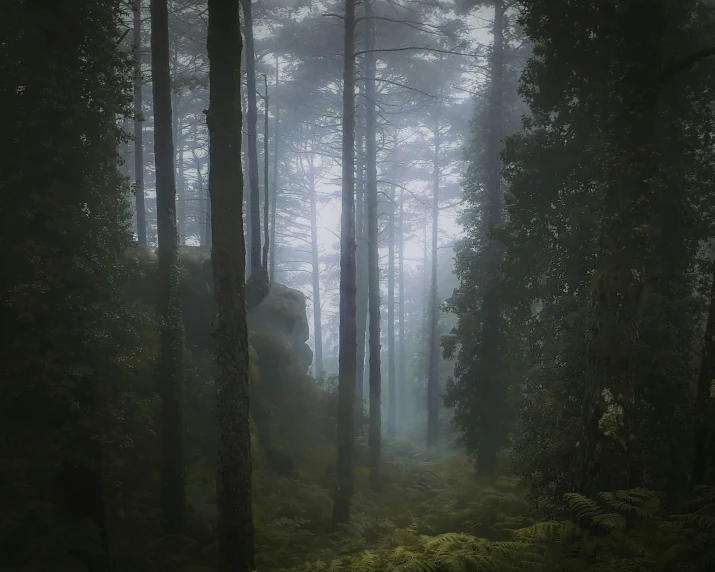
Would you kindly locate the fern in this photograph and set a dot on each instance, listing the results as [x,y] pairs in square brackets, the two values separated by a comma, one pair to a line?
[582,506]
[610,521]
[549,532]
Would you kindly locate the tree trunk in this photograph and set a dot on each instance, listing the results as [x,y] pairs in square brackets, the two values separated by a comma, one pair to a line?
[433,361]
[702,453]
[173,494]
[362,277]
[203,203]
[317,320]
[179,149]
[425,266]
[79,493]
[345,478]
[374,436]
[251,121]
[267,196]
[181,187]
[401,364]
[124,153]
[138,118]
[491,384]
[272,274]
[391,381]
[233,479]
[627,202]
[246,175]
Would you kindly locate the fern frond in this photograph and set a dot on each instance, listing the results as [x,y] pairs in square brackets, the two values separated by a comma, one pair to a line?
[582,506]
[704,494]
[610,521]
[553,531]
[702,521]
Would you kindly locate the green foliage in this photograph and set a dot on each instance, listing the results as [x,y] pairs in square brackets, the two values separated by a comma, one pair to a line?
[623,531]
[479,344]
[604,200]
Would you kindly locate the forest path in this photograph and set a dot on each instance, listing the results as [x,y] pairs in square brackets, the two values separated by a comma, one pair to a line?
[424,493]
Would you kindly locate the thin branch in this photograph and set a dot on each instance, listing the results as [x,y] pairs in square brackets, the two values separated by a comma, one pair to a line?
[685,63]
[390,82]
[124,35]
[406,48]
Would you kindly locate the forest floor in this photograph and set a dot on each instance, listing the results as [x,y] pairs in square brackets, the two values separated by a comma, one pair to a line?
[423,493]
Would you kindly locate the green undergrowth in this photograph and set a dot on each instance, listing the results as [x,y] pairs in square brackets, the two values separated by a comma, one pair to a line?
[421,495]
[625,531]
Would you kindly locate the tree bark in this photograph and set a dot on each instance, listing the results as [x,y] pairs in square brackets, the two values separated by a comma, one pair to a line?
[490,386]
[203,203]
[401,364]
[433,362]
[362,276]
[627,203]
[274,204]
[251,121]
[246,175]
[179,149]
[375,426]
[233,480]
[173,481]
[391,380]
[344,481]
[180,187]
[702,453]
[317,319]
[138,138]
[267,197]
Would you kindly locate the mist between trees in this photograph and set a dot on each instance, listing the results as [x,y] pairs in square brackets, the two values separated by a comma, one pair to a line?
[357,285]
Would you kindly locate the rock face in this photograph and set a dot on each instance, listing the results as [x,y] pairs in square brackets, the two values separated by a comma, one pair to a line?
[275,310]
[283,313]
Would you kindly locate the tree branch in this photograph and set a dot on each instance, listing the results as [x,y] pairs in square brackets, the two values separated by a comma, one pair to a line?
[390,82]
[403,49]
[685,63]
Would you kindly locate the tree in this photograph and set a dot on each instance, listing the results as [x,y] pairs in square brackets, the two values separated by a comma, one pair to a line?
[276,179]
[479,392]
[173,494]
[138,136]
[433,367]
[266,194]
[391,362]
[344,481]
[251,129]
[362,267]
[64,227]
[373,259]
[601,247]
[235,521]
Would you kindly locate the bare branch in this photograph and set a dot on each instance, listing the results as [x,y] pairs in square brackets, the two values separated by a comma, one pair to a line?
[406,48]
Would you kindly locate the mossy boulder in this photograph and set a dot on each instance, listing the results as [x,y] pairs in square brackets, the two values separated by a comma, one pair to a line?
[286,403]
[272,308]
[283,313]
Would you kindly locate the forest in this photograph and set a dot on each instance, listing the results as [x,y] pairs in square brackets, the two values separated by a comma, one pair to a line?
[295,285]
